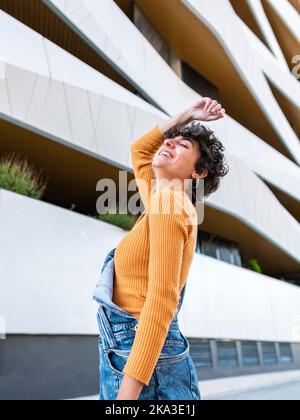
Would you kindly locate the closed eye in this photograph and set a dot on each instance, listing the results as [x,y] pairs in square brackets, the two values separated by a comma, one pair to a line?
[184,146]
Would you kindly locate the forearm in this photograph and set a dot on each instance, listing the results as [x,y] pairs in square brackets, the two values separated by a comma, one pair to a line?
[162,294]
[183,117]
[205,109]
[130,388]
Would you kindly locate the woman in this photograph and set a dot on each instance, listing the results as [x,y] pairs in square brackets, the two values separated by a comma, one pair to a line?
[143,354]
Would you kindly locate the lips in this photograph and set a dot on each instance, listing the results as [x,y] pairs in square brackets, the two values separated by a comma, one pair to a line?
[166,153]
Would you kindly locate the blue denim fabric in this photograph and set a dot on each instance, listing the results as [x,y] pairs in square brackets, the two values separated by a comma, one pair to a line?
[175,375]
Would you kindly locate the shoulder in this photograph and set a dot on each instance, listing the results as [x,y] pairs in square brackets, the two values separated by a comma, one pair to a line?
[171,201]
[166,196]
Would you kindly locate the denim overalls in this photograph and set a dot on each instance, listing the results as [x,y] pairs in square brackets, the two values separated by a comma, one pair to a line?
[175,375]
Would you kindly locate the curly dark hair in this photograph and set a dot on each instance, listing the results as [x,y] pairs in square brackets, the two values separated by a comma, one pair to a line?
[212,156]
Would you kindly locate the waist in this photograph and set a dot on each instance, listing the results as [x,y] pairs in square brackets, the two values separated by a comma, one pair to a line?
[120,324]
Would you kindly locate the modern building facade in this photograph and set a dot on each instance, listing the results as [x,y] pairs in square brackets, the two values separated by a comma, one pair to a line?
[80,80]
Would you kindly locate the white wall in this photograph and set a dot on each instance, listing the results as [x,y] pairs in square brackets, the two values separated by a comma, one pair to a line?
[225,301]
[50,260]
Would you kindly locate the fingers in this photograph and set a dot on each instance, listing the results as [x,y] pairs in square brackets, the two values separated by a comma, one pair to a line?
[220,113]
[212,106]
[216,117]
[216,109]
[208,102]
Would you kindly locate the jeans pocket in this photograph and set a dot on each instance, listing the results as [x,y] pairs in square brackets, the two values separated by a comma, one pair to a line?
[174,350]
[116,360]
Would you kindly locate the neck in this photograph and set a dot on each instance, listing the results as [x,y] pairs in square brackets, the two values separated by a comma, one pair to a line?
[175,184]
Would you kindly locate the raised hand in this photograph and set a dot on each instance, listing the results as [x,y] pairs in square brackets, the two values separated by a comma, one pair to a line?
[207,109]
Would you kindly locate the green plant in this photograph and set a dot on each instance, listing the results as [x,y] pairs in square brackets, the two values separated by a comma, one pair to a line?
[254,266]
[124,221]
[17,175]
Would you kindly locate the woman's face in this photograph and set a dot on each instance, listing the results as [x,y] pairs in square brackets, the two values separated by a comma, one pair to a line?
[176,159]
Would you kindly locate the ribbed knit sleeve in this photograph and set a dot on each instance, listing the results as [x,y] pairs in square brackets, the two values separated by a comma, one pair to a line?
[142,153]
[168,234]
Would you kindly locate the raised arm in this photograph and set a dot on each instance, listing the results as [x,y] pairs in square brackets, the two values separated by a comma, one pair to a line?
[144,149]
[142,153]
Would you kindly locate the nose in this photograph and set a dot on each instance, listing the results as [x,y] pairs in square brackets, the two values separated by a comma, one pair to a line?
[169,143]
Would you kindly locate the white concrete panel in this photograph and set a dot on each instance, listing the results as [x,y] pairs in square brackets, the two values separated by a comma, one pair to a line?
[59,256]
[4,100]
[43,57]
[83,132]
[260,211]
[288,14]
[67,68]
[20,86]
[137,58]
[48,108]
[280,77]
[225,301]
[3,64]
[12,30]
[118,40]
[220,17]
[267,31]
[113,123]
[260,157]
[74,8]
[50,262]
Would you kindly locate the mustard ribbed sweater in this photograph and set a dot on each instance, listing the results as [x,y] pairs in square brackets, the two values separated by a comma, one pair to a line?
[152,261]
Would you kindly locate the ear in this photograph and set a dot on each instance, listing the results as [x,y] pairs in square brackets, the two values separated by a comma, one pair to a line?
[203,174]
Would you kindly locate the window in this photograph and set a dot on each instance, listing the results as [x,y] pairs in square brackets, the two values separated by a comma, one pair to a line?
[201,353]
[269,354]
[227,354]
[220,357]
[219,248]
[286,354]
[250,355]
[199,83]
[151,34]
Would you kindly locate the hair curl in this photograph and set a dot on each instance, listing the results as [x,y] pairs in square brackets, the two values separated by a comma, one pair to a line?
[212,154]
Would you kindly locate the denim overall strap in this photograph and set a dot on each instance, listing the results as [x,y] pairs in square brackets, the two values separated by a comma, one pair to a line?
[107,337]
[103,295]
[104,289]
[181,299]
[108,258]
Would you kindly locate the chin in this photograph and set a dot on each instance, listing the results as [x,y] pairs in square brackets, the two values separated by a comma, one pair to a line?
[160,164]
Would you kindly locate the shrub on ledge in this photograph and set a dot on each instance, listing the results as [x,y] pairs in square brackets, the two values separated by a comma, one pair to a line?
[123,221]
[18,176]
[253,265]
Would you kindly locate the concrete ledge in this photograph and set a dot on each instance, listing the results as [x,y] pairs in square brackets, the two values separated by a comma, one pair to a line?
[219,388]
